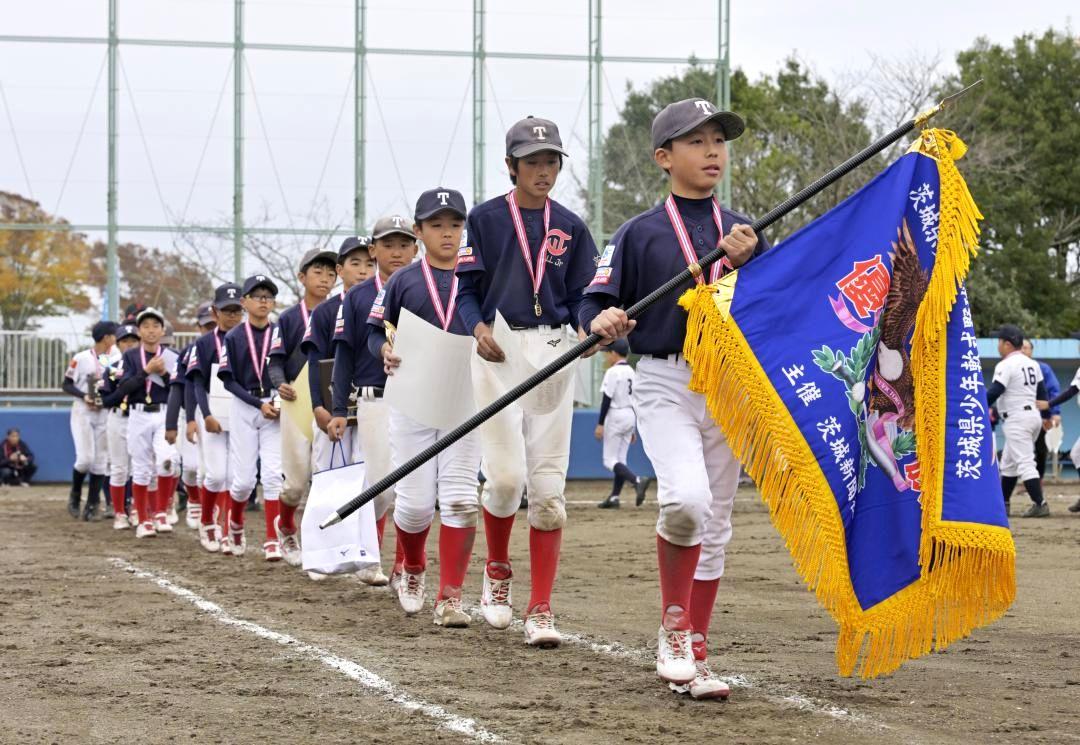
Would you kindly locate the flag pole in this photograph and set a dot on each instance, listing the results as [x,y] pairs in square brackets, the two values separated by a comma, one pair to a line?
[634,311]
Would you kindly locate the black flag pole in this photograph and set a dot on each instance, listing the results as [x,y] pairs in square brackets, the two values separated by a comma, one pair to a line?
[633,312]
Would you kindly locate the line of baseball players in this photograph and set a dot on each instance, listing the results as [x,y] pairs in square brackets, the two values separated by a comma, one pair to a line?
[524,257]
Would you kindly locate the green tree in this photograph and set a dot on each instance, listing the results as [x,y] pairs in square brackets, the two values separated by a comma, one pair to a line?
[1023,128]
[797,129]
[42,272]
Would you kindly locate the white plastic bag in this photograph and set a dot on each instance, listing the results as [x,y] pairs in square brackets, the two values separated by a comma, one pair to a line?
[353,543]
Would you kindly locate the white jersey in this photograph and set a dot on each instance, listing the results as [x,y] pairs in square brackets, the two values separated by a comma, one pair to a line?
[618,384]
[1021,376]
[84,366]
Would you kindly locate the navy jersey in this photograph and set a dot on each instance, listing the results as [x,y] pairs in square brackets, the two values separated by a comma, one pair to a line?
[493,272]
[238,364]
[149,390]
[408,289]
[180,379]
[319,335]
[204,354]
[645,254]
[288,333]
[352,329]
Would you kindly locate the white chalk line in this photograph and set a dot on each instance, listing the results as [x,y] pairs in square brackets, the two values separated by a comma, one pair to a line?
[777,693]
[644,656]
[366,678]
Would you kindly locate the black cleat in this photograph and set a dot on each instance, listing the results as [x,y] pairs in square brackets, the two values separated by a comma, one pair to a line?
[1075,506]
[640,488]
[611,503]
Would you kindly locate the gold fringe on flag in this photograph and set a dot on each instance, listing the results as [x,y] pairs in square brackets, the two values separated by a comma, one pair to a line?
[967,577]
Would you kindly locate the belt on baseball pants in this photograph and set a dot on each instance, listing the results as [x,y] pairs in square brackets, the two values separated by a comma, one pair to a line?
[673,357]
[368,393]
[148,408]
[545,326]
[1029,407]
[259,392]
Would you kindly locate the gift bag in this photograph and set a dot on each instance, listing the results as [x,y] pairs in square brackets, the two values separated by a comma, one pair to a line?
[353,543]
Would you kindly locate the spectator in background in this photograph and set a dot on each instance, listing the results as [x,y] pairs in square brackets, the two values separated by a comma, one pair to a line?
[16,461]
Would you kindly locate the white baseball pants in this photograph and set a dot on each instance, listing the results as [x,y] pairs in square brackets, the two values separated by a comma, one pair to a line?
[89,431]
[151,454]
[696,472]
[371,444]
[297,460]
[1021,429]
[214,456]
[523,450]
[116,429]
[618,434]
[450,477]
[254,450]
[191,472]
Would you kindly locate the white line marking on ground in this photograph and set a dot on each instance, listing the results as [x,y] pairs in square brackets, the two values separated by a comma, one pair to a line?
[647,657]
[392,693]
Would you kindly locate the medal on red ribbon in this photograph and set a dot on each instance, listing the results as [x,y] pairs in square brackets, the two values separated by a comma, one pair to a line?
[687,245]
[446,317]
[257,362]
[535,275]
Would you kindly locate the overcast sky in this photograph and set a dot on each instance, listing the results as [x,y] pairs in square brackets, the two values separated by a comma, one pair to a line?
[299,110]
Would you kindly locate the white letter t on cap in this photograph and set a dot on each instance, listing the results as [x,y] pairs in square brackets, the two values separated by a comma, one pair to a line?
[443,196]
[540,132]
[705,106]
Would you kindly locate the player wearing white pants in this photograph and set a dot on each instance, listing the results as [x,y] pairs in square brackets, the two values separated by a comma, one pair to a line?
[618,435]
[679,437]
[84,380]
[1017,389]
[119,458]
[696,474]
[151,456]
[617,423]
[525,451]
[254,450]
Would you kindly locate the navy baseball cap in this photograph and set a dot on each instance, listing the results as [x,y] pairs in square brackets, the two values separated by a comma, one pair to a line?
[434,201]
[313,255]
[681,117]
[203,315]
[227,296]
[1010,333]
[531,135]
[149,313]
[255,281]
[350,244]
[102,329]
[126,331]
[390,224]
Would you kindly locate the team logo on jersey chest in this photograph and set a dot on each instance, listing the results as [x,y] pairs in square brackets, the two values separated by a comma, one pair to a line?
[557,241]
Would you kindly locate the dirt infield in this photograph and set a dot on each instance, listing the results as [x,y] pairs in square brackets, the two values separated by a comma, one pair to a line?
[104,639]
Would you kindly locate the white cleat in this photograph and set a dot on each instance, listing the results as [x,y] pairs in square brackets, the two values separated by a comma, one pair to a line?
[193,516]
[120,522]
[161,523]
[675,654]
[449,613]
[395,580]
[272,551]
[290,546]
[540,628]
[316,577]
[145,530]
[373,576]
[171,515]
[495,602]
[705,685]
[411,592]
[238,542]
[208,538]
[226,544]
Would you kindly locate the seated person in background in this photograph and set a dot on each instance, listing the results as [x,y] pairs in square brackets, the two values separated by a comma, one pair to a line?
[16,461]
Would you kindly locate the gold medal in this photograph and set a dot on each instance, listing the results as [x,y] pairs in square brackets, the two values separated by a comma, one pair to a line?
[536,307]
